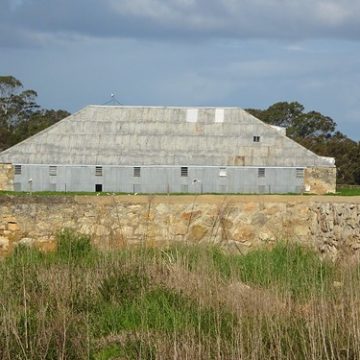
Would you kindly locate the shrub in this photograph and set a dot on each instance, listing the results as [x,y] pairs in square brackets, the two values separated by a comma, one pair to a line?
[72,246]
[121,286]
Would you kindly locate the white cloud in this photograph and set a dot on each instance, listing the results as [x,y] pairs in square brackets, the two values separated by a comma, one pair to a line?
[333,14]
[188,19]
[153,9]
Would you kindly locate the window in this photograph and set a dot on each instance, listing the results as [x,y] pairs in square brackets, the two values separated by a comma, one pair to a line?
[98,187]
[299,173]
[137,171]
[222,172]
[261,172]
[98,170]
[52,170]
[184,171]
[256,138]
[17,169]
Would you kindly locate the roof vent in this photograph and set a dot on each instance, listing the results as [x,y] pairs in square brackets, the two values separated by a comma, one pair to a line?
[113,100]
[219,115]
[192,115]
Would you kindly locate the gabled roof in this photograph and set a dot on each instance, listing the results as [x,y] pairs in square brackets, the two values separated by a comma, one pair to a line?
[125,135]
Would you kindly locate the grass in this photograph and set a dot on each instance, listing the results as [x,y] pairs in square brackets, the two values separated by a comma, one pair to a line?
[348,191]
[340,192]
[185,301]
[59,193]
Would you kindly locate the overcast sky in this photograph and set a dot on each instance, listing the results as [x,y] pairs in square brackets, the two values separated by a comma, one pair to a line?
[247,53]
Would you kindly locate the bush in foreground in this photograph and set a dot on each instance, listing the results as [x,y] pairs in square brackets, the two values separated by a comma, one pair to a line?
[186,301]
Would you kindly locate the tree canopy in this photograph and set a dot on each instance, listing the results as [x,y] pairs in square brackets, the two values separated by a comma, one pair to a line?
[299,124]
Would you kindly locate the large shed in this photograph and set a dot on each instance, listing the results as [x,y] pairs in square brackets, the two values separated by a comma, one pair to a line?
[164,149]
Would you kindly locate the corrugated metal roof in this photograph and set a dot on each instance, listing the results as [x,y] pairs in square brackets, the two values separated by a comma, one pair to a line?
[128,135]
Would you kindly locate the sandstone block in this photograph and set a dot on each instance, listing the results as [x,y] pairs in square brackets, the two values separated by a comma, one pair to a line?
[179,228]
[26,241]
[259,219]
[4,243]
[226,223]
[266,236]
[46,246]
[9,219]
[272,210]
[12,227]
[244,233]
[127,231]
[197,232]
[102,230]
[191,215]
[162,208]
[140,230]
[301,230]
[250,207]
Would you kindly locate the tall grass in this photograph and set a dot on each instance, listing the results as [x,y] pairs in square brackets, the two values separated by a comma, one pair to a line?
[183,302]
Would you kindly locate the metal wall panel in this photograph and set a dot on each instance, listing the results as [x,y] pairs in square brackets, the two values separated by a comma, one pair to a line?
[153,179]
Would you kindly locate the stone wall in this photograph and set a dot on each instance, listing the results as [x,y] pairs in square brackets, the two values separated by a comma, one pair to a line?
[330,224]
[320,180]
[6,177]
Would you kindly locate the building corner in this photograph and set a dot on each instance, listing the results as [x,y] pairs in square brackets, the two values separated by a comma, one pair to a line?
[320,180]
[7,173]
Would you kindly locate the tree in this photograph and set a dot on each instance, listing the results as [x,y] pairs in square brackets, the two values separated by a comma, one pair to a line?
[15,105]
[299,124]
[280,114]
[20,115]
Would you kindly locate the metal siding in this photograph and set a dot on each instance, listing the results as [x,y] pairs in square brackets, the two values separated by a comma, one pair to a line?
[160,179]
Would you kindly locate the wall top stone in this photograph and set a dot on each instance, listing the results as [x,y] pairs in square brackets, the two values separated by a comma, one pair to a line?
[175,199]
[214,199]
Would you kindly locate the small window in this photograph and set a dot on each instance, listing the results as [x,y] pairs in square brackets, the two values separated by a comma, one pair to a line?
[184,188]
[52,170]
[256,138]
[299,173]
[222,172]
[137,171]
[184,171]
[17,169]
[261,172]
[98,170]
[98,188]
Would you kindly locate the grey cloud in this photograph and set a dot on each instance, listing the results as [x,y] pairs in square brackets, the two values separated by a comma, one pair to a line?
[189,19]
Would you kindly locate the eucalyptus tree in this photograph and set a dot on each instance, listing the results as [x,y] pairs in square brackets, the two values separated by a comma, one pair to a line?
[20,115]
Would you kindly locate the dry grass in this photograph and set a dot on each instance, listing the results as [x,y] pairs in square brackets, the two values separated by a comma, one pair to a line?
[183,302]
